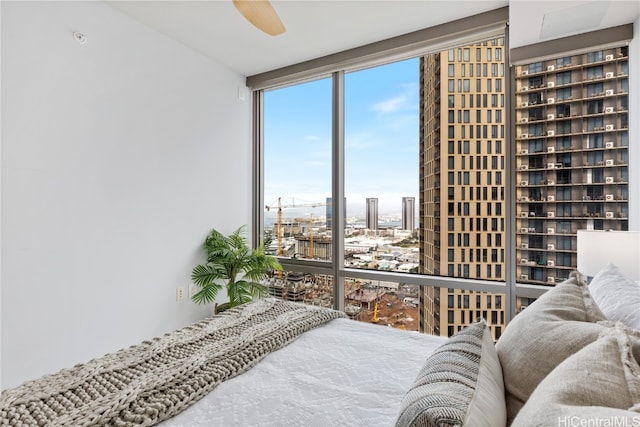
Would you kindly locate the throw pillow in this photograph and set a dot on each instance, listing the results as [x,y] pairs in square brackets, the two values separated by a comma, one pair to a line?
[459,384]
[617,296]
[555,326]
[599,383]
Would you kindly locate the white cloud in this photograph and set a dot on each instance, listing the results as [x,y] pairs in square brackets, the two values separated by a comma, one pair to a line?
[390,105]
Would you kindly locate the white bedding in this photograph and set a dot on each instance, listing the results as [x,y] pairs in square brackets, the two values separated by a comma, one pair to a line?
[345,373]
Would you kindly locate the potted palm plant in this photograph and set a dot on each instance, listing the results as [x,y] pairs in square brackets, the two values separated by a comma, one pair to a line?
[231,263]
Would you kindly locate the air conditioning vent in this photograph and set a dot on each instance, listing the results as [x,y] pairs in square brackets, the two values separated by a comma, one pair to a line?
[609,162]
[523,88]
[524,135]
[550,263]
[608,110]
[551,100]
[550,182]
[524,277]
[524,183]
[551,67]
[608,92]
[524,261]
[524,151]
[525,104]
[608,75]
[609,180]
[551,230]
[524,214]
[608,127]
[551,198]
[608,58]
[524,120]
[551,84]
[550,117]
[551,214]
[551,132]
[524,246]
[524,230]
[524,198]
[551,165]
[551,279]
[551,149]
[524,167]
[609,144]
[524,73]
[609,197]
[608,215]
[551,247]
[586,198]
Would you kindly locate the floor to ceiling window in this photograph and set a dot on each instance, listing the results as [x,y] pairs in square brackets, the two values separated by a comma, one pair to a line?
[422,189]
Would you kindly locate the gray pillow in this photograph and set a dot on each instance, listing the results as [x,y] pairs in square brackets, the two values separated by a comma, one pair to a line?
[459,384]
[598,384]
[555,326]
[617,296]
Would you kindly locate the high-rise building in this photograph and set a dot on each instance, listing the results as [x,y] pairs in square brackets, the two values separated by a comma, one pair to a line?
[372,213]
[572,142]
[462,149]
[408,213]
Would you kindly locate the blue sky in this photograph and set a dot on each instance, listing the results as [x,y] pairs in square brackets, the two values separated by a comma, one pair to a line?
[381,139]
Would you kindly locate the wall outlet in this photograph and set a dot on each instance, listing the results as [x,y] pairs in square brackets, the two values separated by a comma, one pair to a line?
[179,293]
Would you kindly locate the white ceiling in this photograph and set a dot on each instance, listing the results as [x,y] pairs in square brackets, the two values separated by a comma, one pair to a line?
[317,28]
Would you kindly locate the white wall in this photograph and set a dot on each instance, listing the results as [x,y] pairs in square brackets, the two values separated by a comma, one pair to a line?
[118,156]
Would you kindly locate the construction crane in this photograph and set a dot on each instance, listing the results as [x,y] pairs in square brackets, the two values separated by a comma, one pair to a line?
[279,232]
[375,319]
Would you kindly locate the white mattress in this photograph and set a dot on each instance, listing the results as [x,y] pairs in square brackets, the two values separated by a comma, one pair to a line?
[346,373]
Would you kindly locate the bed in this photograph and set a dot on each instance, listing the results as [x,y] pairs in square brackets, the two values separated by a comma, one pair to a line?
[268,363]
[280,363]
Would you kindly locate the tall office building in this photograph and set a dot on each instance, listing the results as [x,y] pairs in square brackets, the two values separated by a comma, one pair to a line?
[372,213]
[408,213]
[462,149]
[572,141]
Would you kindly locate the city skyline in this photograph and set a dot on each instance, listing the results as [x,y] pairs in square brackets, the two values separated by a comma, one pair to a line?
[381,139]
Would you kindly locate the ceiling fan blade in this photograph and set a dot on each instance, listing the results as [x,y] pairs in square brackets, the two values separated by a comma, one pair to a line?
[261,14]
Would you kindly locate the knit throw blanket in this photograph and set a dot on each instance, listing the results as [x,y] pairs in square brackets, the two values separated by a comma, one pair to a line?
[145,384]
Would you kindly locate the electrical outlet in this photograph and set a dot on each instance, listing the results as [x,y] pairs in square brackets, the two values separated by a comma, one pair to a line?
[179,293]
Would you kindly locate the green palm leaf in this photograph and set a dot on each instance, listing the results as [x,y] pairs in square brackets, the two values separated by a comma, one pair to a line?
[232,262]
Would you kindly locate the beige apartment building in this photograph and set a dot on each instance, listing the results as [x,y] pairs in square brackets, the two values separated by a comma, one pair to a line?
[462,160]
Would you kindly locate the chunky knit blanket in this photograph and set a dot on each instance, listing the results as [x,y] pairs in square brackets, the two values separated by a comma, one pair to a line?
[145,384]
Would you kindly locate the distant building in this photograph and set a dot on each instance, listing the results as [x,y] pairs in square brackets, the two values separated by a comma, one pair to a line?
[372,213]
[408,213]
